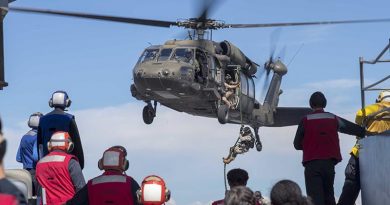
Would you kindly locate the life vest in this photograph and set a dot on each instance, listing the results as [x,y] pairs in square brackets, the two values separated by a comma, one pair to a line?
[52,173]
[110,188]
[321,140]
[7,199]
[51,123]
[378,123]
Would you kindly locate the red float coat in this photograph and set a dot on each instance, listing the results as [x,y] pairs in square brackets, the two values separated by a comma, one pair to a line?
[53,175]
[110,188]
[321,139]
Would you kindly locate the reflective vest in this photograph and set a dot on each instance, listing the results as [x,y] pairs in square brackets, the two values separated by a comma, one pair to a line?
[110,188]
[51,123]
[321,140]
[52,173]
[7,199]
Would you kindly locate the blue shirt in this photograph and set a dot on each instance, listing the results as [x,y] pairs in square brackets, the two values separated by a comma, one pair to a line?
[27,152]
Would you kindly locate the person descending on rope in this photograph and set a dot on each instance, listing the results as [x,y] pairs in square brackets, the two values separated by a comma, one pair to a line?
[245,142]
[230,87]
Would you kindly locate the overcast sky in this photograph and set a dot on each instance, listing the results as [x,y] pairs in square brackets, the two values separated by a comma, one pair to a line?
[93,61]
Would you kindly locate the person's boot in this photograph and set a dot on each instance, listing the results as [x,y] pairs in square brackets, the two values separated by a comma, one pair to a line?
[230,157]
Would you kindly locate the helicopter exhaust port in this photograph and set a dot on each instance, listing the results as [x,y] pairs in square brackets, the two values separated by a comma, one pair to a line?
[238,57]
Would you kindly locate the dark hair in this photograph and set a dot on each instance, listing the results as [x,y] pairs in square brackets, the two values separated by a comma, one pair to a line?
[317,100]
[240,195]
[237,177]
[1,127]
[287,192]
[3,144]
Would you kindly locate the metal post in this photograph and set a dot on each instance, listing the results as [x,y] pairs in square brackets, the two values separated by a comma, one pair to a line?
[361,62]
[2,82]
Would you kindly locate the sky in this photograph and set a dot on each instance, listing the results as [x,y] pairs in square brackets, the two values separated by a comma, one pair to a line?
[93,62]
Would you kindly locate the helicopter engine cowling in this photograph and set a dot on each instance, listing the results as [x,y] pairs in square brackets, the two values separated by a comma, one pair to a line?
[237,57]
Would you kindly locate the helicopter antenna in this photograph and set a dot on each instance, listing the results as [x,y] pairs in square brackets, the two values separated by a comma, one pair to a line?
[296,53]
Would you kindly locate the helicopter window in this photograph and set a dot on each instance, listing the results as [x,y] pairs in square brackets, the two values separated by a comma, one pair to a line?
[251,86]
[148,55]
[165,53]
[244,84]
[212,66]
[184,54]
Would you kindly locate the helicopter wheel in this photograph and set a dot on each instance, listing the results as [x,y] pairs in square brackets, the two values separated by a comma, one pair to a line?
[148,114]
[223,114]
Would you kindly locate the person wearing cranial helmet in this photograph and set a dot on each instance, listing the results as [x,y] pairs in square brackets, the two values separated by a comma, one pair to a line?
[27,151]
[376,118]
[59,120]
[9,193]
[59,173]
[153,191]
[113,187]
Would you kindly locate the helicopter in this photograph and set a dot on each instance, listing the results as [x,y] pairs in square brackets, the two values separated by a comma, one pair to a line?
[194,75]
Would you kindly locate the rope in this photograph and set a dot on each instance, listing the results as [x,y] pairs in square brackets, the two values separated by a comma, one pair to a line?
[224,176]
[239,101]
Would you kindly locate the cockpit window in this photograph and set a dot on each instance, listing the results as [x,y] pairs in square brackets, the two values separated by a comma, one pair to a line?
[148,55]
[184,54]
[165,53]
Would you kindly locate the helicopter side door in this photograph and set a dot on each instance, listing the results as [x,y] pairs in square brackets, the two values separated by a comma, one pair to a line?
[201,57]
[247,93]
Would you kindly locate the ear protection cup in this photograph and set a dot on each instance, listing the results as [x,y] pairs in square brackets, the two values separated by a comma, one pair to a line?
[70,147]
[126,165]
[100,164]
[167,194]
[49,146]
[139,195]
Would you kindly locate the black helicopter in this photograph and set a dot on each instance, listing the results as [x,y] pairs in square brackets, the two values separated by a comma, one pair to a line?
[200,76]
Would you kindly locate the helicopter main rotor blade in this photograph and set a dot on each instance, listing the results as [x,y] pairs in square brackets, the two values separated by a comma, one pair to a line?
[207,7]
[147,22]
[305,23]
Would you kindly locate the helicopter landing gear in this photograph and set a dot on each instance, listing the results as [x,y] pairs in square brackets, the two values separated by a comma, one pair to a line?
[223,113]
[149,112]
[259,145]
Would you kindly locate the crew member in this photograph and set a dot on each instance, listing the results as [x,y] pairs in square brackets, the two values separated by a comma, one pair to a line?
[245,142]
[59,120]
[59,173]
[113,186]
[9,193]
[317,136]
[236,177]
[27,152]
[377,120]
[153,191]
[230,87]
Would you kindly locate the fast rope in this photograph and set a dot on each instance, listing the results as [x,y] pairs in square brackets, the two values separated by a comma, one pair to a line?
[242,125]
